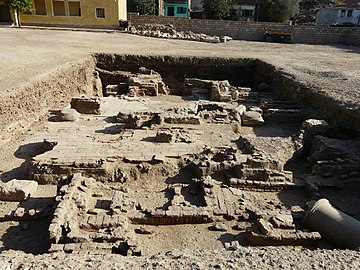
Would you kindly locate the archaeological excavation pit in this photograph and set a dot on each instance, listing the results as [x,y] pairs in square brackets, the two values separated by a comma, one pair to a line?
[174,152]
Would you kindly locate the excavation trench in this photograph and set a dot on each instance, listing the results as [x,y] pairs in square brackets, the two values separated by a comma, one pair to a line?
[214,150]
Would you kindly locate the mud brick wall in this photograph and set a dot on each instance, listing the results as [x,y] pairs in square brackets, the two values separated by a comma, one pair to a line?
[254,31]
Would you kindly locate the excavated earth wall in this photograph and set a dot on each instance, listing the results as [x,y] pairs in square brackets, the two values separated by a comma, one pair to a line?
[26,106]
[23,108]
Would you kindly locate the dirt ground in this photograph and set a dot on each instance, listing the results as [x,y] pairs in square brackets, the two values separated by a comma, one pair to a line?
[28,54]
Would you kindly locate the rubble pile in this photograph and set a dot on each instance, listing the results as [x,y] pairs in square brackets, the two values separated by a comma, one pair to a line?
[145,82]
[17,190]
[168,31]
[81,222]
[86,105]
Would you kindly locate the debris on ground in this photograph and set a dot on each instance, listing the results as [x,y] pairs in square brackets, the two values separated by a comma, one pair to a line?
[168,31]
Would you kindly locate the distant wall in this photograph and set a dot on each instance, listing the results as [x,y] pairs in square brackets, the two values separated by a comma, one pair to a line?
[254,31]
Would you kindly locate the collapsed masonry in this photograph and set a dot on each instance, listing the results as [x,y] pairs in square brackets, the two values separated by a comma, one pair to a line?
[168,31]
[145,82]
[204,155]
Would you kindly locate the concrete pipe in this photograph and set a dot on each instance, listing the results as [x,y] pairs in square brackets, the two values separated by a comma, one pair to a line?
[337,227]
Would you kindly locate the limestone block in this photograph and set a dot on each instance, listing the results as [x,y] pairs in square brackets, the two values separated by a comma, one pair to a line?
[112,90]
[17,190]
[226,39]
[220,227]
[87,105]
[265,227]
[68,114]
[315,125]
[284,221]
[240,109]
[220,91]
[251,118]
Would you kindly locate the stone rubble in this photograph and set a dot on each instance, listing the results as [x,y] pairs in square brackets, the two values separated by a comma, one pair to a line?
[86,105]
[69,114]
[168,31]
[17,190]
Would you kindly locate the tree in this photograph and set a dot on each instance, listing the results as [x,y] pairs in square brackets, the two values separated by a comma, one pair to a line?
[143,7]
[18,6]
[277,10]
[217,9]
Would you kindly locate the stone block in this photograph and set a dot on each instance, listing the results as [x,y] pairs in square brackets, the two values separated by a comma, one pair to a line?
[251,118]
[86,105]
[112,90]
[17,190]
[68,114]
[264,226]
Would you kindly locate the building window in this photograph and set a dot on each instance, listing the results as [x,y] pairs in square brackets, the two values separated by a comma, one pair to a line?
[100,12]
[58,8]
[349,13]
[74,9]
[40,7]
[181,10]
[247,13]
[342,13]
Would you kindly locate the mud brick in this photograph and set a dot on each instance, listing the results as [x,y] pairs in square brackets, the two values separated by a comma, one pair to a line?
[106,221]
[114,221]
[219,212]
[83,220]
[99,221]
[119,220]
[92,221]
[122,219]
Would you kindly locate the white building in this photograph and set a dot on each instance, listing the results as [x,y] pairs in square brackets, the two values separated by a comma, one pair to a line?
[340,15]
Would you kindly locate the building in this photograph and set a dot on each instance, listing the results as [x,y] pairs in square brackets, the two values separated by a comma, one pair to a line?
[176,8]
[4,12]
[244,9]
[338,15]
[197,9]
[77,13]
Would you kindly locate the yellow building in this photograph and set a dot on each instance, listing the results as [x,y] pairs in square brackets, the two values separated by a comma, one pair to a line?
[76,13]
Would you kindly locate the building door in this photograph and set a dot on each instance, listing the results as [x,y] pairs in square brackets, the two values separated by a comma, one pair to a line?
[170,11]
[4,14]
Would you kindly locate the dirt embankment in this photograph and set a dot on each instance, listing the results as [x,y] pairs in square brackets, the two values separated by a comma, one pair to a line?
[22,109]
